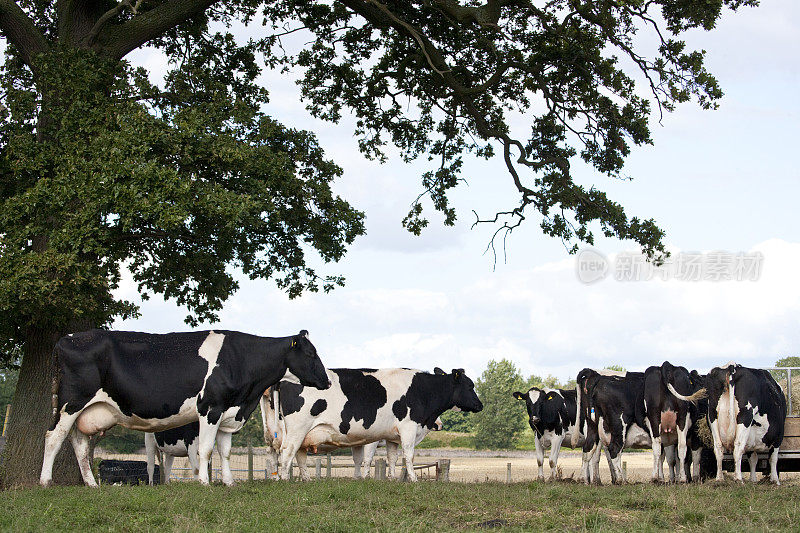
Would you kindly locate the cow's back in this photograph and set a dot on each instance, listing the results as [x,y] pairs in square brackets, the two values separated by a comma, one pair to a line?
[148,375]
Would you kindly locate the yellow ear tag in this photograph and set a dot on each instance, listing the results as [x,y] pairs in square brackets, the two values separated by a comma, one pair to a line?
[293,343]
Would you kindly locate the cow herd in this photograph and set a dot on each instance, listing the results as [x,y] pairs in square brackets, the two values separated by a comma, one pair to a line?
[195,389]
[662,408]
[189,391]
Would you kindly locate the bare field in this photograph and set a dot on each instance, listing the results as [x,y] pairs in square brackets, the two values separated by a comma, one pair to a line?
[465,466]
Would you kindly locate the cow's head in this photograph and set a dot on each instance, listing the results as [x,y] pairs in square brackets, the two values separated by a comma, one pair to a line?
[464,395]
[533,403]
[304,362]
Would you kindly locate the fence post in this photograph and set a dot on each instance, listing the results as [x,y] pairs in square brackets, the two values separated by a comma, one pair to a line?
[404,472]
[249,460]
[443,472]
[624,471]
[291,471]
[328,472]
[508,472]
[161,478]
[380,469]
[319,467]
[211,469]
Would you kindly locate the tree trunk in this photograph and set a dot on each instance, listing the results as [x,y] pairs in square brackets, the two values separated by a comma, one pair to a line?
[31,417]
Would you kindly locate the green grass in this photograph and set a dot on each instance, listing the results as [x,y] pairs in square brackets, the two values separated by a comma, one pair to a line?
[346,505]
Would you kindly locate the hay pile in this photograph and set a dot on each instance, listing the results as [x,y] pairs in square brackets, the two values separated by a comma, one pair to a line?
[704,432]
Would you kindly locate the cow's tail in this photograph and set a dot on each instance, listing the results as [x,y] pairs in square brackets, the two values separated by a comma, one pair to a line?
[265,408]
[699,395]
[576,435]
[54,386]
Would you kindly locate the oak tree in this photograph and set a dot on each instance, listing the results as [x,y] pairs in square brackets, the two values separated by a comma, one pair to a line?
[184,181]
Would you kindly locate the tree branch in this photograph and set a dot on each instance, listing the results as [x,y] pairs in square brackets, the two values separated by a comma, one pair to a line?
[117,40]
[20,31]
[106,17]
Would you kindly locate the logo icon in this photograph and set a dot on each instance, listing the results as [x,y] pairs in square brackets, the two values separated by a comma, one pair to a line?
[591,266]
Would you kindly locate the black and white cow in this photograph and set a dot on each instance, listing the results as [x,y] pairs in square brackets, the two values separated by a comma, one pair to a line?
[181,441]
[609,405]
[153,382]
[667,418]
[367,405]
[746,413]
[362,454]
[552,416]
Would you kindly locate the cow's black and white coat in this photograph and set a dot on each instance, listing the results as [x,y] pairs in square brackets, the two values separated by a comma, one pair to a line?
[362,454]
[746,413]
[667,418]
[367,405]
[608,407]
[552,416]
[153,382]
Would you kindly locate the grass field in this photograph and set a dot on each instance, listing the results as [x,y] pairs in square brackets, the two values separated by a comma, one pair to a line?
[344,505]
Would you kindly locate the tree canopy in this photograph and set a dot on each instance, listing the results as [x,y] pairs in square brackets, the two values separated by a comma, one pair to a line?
[185,181]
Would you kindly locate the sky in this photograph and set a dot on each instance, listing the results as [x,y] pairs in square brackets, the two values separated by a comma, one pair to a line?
[716,181]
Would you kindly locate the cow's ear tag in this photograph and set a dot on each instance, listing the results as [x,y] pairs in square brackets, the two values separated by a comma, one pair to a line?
[294,342]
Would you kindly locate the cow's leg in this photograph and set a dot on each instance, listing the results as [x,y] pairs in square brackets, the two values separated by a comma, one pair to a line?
[205,445]
[615,449]
[591,446]
[302,464]
[539,455]
[610,465]
[408,439]
[669,455]
[718,449]
[555,449]
[80,443]
[738,450]
[392,449]
[658,467]
[52,444]
[289,448]
[224,449]
[166,464]
[369,455]
[272,460]
[150,450]
[358,460]
[191,453]
[696,464]
[753,459]
[588,453]
[773,467]
[683,435]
